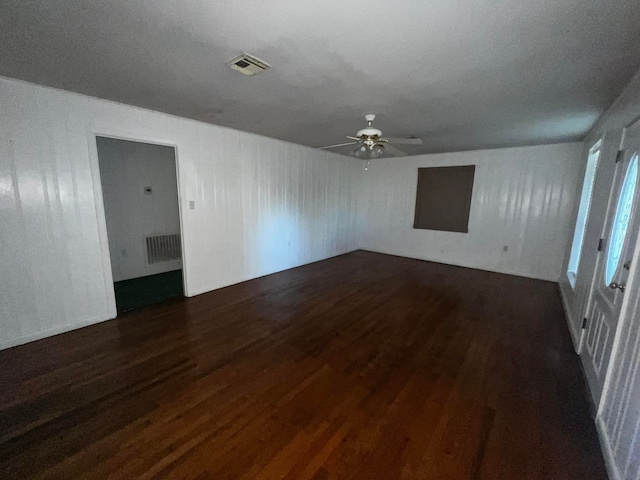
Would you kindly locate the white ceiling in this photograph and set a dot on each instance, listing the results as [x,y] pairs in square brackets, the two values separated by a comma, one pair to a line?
[460,74]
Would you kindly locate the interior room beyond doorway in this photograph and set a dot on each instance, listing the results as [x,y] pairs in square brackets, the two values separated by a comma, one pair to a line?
[140,193]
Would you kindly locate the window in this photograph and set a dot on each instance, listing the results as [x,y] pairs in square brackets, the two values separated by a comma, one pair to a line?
[443,198]
[583,213]
[621,220]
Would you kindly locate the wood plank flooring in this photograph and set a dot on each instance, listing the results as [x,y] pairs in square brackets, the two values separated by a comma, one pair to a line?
[364,366]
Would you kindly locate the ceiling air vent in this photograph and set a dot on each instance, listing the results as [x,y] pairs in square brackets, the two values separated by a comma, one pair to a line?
[247,64]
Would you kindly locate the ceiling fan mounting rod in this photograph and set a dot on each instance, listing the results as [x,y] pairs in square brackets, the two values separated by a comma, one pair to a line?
[370,118]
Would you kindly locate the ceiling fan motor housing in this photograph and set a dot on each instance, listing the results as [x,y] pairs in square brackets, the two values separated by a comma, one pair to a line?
[369,133]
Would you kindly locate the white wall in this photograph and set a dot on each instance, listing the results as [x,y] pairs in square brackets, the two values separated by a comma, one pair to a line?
[126,168]
[262,205]
[522,198]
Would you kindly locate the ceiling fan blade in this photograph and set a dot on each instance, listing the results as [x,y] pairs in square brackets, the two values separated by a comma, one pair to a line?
[338,145]
[405,141]
[353,138]
[394,151]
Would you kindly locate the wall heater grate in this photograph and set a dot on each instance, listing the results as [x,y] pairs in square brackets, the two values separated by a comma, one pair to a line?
[163,248]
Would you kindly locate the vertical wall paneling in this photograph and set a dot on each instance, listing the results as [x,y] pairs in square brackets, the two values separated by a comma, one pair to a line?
[262,205]
[523,199]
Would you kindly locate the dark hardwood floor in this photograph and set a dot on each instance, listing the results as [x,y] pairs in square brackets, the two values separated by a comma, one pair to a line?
[144,291]
[364,366]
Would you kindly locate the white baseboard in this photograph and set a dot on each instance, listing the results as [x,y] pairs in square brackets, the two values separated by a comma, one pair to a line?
[210,288]
[13,342]
[101,318]
[607,452]
[426,258]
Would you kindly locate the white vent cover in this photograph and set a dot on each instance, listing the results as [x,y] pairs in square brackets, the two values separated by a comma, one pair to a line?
[248,64]
[162,248]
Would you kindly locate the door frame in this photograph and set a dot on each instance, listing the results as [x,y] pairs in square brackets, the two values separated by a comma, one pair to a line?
[610,143]
[585,263]
[92,134]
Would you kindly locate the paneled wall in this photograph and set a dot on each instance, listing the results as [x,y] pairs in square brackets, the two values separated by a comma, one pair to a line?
[522,202]
[261,206]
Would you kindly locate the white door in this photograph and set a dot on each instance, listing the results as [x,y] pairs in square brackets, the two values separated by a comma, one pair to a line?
[614,262]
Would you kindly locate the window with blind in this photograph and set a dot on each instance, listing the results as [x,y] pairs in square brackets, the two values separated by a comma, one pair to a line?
[443,198]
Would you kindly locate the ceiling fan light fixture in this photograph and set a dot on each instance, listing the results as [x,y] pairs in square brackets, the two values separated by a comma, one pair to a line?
[377,150]
[368,151]
[362,151]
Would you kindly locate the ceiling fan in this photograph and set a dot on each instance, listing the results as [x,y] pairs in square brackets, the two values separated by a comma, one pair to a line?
[371,144]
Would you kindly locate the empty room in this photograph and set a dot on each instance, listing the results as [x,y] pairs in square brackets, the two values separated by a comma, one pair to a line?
[320,240]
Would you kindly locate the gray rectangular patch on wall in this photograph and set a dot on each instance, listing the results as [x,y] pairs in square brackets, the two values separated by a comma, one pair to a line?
[443,198]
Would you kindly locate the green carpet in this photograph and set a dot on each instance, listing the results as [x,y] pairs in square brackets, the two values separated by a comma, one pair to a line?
[144,291]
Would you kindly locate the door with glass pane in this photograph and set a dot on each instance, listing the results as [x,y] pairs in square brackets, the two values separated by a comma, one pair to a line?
[612,267]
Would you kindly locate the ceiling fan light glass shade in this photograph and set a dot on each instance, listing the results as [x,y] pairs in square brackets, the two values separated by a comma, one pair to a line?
[377,150]
[362,152]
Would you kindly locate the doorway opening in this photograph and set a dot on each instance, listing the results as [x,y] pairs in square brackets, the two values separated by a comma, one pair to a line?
[140,193]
